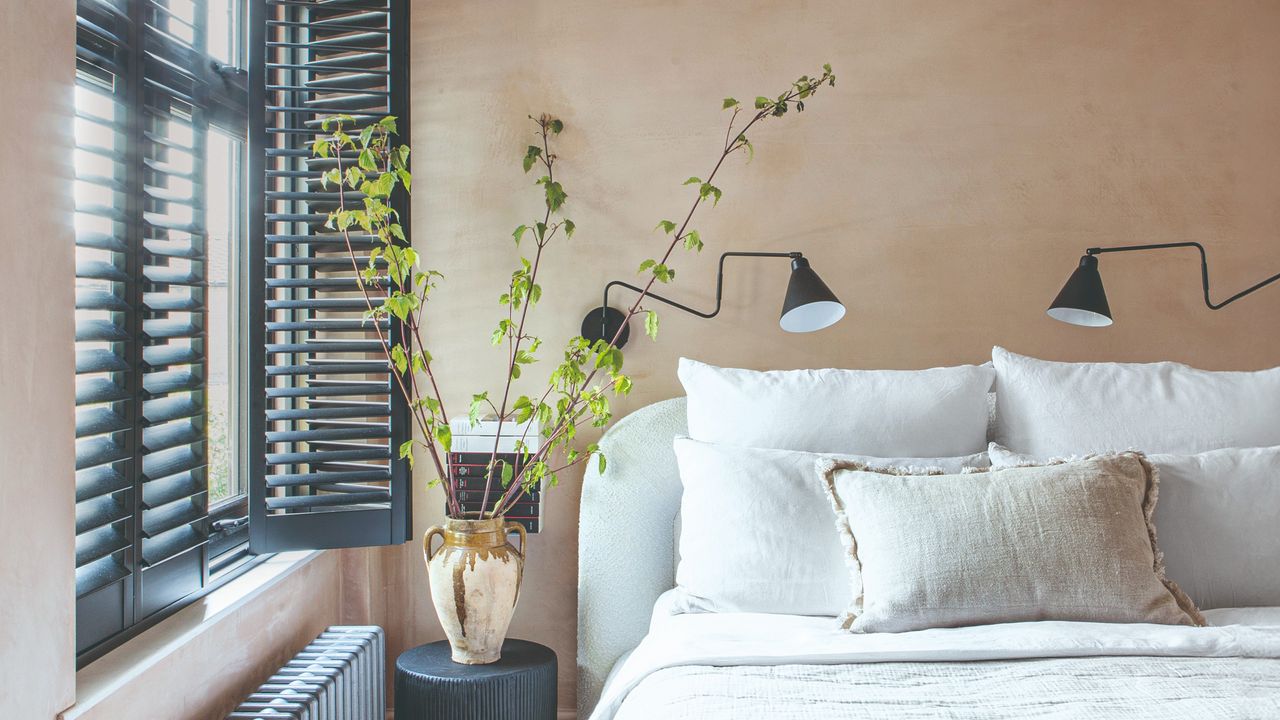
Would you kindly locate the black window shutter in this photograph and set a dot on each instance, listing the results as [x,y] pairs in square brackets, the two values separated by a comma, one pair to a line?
[141,493]
[324,419]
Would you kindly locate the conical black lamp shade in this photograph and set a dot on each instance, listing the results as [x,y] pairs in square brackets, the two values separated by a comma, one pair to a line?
[1083,300]
[810,305]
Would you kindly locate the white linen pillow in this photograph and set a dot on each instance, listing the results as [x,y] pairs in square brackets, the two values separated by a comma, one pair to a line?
[939,412]
[1064,541]
[1055,408]
[1218,522]
[756,530]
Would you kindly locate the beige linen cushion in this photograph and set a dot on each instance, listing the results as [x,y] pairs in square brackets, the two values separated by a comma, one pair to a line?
[1065,541]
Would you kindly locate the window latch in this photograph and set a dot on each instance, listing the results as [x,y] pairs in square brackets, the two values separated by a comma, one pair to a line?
[229,524]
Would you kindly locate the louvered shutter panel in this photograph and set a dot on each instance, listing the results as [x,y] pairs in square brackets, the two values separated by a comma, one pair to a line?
[141,495]
[324,419]
[106,362]
[174,129]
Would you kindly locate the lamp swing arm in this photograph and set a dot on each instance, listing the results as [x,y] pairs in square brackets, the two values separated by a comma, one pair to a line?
[719,286]
[1204,268]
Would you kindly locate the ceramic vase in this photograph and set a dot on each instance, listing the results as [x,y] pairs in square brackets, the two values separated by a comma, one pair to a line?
[475,576]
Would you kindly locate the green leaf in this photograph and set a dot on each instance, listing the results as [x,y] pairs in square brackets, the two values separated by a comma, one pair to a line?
[569,227]
[368,161]
[663,273]
[708,189]
[762,102]
[519,232]
[693,181]
[556,126]
[399,358]
[366,135]
[666,225]
[444,436]
[406,451]
[531,156]
[728,103]
[388,123]
[693,241]
[508,472]
[477,406]
[600,463]
[646,265]
[555,196]
[651,324]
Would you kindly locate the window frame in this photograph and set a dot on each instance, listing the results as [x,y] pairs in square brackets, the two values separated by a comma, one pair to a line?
[223,90]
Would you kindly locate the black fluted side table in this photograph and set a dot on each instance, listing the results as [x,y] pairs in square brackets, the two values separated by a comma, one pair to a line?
[520,686]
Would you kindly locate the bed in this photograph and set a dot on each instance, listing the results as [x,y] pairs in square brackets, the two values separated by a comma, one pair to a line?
[639,658]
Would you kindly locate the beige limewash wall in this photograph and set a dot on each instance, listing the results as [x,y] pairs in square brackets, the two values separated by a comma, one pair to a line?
[37,397]
[944,188]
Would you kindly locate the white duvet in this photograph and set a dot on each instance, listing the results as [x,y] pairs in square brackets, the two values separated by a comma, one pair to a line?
[741,665]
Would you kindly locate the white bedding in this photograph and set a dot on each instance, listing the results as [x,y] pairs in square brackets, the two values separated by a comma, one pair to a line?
[739,665]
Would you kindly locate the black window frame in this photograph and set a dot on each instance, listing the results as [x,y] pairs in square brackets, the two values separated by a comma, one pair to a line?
[132,52]
[231,535]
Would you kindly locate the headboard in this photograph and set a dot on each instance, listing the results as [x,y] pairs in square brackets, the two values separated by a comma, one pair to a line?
[626,540]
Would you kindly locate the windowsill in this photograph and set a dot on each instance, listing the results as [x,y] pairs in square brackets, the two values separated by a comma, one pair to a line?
[115,670]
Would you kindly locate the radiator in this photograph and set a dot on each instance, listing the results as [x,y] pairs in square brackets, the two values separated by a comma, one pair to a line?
[339,676]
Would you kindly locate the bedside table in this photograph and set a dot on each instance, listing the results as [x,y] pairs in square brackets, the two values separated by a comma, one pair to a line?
[430,686]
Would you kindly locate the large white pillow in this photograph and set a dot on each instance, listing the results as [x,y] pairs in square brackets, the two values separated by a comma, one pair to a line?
[1055,408]
[1217,520]
[884,413]
[757,533]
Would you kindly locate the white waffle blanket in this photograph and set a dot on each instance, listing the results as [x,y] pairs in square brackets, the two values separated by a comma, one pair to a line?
[743,666]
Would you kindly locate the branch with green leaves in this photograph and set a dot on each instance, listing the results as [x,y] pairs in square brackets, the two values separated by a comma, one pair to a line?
[580,400]
[369,168]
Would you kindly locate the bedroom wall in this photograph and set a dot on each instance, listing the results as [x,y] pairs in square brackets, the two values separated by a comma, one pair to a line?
[944,188]
[37,399]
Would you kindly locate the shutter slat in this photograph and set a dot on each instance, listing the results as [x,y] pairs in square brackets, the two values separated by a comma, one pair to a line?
[318,413]
[164,437]
[293,458]
[171,408]
[159,356]
[99,331]
[99,544]
[292,502]
[172,544]
[176,514]
[91,391]
[89,299]
[99,420]
[356,389]
[93,361]
[171,489]
[171,381]
[325,478]
[93,514]
[170,462]
[370,433]
[99,481]
[171,302]
[356,368]
[165,329]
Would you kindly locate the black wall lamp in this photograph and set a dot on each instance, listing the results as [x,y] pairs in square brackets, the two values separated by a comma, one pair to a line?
[1083,301]
[809,304]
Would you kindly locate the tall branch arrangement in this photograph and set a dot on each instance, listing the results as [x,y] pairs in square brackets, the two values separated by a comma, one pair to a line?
[371,167]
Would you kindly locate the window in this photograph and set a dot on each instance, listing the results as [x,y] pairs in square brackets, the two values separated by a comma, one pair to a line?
[228,397]
[157,158]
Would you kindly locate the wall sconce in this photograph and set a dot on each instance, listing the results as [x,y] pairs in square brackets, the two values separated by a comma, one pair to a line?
[809,304]
[1083,300]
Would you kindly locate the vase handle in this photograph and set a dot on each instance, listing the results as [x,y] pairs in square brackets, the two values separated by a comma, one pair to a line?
[426,542]
[518,529]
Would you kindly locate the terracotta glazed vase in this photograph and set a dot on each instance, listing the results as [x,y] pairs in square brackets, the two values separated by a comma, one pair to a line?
[475,581]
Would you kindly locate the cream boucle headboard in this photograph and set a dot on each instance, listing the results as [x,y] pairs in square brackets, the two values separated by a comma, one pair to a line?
[626,540]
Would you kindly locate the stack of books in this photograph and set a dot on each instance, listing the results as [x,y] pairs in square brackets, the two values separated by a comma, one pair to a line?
[469,465]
